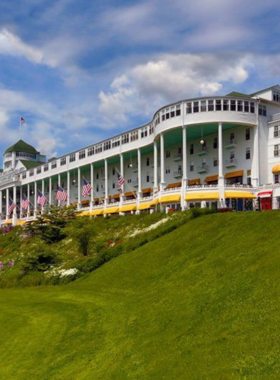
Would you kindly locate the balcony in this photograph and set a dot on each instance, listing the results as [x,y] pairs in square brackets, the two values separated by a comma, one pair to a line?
[177,157]
[203,169]
[232,163]
[177,174]
[231,144]
[202,151]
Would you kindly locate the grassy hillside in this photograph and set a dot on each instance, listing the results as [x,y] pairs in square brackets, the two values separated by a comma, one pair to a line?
[199,303]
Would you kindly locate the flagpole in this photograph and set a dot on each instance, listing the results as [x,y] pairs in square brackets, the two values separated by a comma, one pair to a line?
[132,190]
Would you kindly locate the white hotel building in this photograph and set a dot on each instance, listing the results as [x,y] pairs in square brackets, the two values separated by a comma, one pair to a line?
[221,150]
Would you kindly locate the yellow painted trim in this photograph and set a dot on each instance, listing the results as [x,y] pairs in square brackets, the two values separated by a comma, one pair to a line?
[111,210]
[83,213]
[96,212]
[145,206]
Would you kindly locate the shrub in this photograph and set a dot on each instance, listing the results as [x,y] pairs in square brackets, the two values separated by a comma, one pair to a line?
[82,230]
[40,259]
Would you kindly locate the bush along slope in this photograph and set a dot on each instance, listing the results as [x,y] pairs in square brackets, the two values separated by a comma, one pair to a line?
[60,247]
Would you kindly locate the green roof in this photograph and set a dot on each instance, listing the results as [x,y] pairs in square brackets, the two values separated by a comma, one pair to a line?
[238,94]
[21,146]
[30,164]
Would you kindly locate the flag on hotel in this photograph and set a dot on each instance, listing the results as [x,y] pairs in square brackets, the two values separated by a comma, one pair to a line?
[12,205]
[61,194]
[120,180]
[22,120]
[24,203]
[86,190]
[41,199]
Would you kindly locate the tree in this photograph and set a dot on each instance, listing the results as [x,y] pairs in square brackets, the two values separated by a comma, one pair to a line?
[82,230]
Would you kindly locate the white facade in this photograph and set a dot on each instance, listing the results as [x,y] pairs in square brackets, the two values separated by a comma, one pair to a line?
[217,150]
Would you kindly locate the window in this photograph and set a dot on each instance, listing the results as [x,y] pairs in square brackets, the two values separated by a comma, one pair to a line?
[39,170]
[167,115]
[231,137]
[195,106]
[98,148]
[144,132]
[210,105]
[191,166]
[151,129]
[107,145]
[116,141]
[134,136]
[252,107]
[90,151]
[148,178]
[203,106]
[125,138]
[233,105]
[178,110]
[23,176]
[247,134]
[167,169]
[53,164]
[262,110]
[189,107]
[97,187]
[218,105]
[240,106]
[246,106]
[113,171]
[276,150]
[215,161]
[276,131]
[113,185]
[231,156]
[180,152]
[215,143]
[46,167]
[63,161]
[129,180]
[148,161]
[72,157]
[167,154]
[248,154]
[191,149]
[31,173]
[276,178]
[249,182]
[82,154]
[276,96]
[225,105]
[97,175]
[163,115]
[172,112]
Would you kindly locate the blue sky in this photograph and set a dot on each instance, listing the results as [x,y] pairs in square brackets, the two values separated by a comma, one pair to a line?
[81,71]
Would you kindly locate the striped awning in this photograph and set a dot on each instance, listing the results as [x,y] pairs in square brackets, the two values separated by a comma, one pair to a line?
[116,196]
[170,198]
[173,185]
[96,212]
[111,210]
[265,194]
[128,208]
[201,196]
[145,206]
[276,168]
[195,181]
[211,178]
[239,194]
[147,190]
[238,173]
[130,193]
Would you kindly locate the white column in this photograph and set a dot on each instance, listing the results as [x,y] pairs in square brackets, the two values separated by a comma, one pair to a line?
[122,174]
[106,181]
[20,208]
[50,190]
[185,166]
[35,198]
[92,185]
[28,197]
[139,174]
[15,209]
[7,203]
[221,181]
[255,158]
[43,191]
[79,189]
[155,167]
[1,205]
[68,187]
[59,184]
[162,166]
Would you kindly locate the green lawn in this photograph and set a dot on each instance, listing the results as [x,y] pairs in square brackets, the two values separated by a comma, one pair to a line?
[199,303]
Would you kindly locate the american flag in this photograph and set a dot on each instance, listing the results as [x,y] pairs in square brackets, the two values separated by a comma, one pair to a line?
[41,199]
[12,205]
[61,194]
[24,203]
[120,180]
[22,120]
[86,190]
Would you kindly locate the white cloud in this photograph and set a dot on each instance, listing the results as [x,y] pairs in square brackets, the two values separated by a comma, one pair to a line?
[145,87]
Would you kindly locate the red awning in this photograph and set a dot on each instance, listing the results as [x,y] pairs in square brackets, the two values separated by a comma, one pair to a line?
[265,194]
